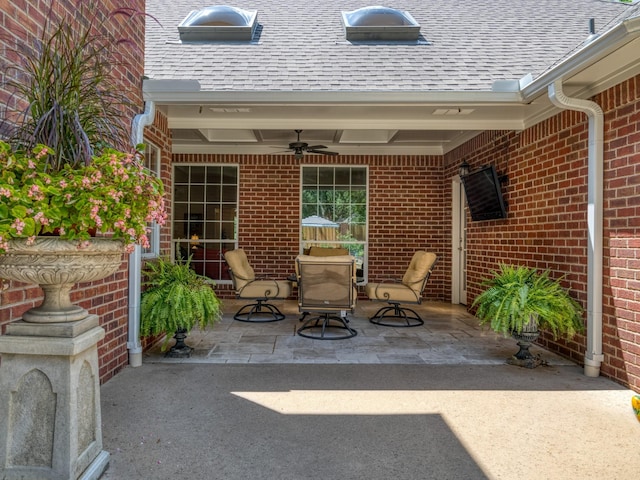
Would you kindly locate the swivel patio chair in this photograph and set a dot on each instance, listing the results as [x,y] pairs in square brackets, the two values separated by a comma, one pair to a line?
[327,292]
[408,290]
[247,286]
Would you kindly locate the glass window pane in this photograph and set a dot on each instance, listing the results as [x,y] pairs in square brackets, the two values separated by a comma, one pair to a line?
[196,193]
[197,175]
[359,176]
[213,193]
[214,175]
[230,175]
[343,176]
[181,193]
[325,176]
[310,176]
[181,174]
[229,193]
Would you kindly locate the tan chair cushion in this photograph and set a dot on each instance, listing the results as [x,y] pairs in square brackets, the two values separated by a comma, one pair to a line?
[244,279]
[327,251]
[410,289]
[239,265]
[396,292]
[418,268]
[266,289]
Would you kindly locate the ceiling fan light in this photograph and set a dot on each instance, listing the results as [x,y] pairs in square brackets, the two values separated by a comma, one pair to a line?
[298,155]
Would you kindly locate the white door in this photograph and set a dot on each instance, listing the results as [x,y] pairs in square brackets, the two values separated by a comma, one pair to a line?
[458,244]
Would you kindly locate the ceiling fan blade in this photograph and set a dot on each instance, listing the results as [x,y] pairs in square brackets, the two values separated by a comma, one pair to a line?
[315,147]
[323,152]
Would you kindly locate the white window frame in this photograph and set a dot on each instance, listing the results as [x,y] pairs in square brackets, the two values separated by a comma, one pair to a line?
[365,243]
[153,165]
[176,241]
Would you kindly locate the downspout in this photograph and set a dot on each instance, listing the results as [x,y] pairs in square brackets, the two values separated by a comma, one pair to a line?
[593,355]
[135,258]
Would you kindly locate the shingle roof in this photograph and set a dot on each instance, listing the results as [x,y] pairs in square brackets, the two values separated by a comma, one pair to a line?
[301,47]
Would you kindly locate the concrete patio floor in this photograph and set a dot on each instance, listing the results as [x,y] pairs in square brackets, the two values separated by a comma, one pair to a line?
[432,402]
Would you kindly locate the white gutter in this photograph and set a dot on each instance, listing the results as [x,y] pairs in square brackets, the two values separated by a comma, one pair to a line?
[593,355]
[589,54]
[135,258]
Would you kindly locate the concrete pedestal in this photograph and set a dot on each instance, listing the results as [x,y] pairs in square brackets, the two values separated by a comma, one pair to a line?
[50,421]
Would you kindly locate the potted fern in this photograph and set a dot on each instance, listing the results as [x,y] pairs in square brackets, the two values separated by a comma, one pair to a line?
[176,299]
[519,301]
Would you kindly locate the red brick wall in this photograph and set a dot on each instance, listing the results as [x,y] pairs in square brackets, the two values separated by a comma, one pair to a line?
[547,208]
[621,303]
[407,211]
[20,22]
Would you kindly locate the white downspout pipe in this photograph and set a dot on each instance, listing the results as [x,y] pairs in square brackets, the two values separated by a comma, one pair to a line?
[593,355]
[135,258]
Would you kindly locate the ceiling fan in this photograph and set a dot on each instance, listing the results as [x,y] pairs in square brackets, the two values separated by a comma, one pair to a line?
[299,148]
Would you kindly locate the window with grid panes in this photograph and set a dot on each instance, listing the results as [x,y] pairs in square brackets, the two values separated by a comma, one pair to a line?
[205,204]
[334,210]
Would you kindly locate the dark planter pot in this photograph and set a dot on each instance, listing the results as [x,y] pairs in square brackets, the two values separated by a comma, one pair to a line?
[180,349]
[528,335]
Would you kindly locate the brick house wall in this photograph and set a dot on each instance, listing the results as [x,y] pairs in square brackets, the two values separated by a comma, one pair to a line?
[547,207]
[406,212]
[21,22]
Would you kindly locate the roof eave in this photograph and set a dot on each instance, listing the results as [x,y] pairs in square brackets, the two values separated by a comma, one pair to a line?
[593,52]
[168,91]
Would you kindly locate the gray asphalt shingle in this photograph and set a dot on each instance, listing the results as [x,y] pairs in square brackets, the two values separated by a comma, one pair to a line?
[301,47]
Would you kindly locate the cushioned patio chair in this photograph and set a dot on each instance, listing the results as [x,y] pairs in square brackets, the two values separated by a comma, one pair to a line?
[399,292]
[248,287]
[327,292]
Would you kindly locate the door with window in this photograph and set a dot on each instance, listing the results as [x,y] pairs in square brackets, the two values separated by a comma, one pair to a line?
[334,211]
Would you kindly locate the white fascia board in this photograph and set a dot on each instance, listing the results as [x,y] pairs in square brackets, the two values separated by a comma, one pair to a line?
[164,93]
[591,53]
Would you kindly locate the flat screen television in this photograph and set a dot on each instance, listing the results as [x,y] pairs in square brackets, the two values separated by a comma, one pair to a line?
[484,194]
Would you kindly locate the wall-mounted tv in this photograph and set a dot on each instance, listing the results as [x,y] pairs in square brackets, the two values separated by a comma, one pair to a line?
[484,194]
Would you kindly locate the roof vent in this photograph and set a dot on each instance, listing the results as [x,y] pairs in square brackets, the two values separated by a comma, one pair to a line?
[380,23]
[219,22]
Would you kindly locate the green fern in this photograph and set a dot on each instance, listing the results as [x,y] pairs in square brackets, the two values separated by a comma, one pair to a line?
[176,298]
[514,295]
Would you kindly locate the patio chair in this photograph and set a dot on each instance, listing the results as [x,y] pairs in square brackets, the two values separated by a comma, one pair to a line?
[399,292]
[327,292]
[247,286]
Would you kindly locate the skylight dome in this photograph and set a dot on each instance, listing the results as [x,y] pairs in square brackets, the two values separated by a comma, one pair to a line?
[219,22]
[380,23]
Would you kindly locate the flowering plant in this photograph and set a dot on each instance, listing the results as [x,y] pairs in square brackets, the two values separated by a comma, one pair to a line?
[112,194]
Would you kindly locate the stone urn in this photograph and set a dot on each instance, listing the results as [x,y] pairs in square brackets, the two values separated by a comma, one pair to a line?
[528,335]
[56,265]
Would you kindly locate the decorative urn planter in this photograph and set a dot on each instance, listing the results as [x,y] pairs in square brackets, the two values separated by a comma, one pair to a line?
[525,338]
[56,265]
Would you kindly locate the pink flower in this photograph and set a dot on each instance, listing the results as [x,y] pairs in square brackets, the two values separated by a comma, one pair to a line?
[35,193]
[31,240]
[19,225]
[39,217]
